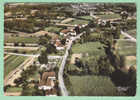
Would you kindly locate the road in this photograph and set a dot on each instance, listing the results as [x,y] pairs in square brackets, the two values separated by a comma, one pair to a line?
[26,44]
[9,79]
[62,87]
[129,36]
[17,47]
[31,55]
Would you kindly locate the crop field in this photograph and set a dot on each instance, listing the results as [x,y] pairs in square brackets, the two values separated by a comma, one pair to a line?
[53,29]
[91,86]
[24,51]
[14,89]
[109,16]
[12,62]
[13,39]
[94,48]
[86,17]
[126,48]
[78,21]
[132,33]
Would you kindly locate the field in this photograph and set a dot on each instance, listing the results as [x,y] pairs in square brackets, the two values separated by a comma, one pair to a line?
[94,48]
[132,33]
[86,17]
[126,48]
[78,21]
[92,86]
[53,29]
[24,51]
[12,62]
[14,89]
[13,39]
[109,16]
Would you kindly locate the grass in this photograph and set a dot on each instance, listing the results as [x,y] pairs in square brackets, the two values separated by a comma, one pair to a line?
[130,62]
[92,86]
[94,48]
[14,89]
[13,39]
[12,62]
[109,16]
[128,51]
[78,21]
[86,17]
[132,32]
[53,29]
[21,51]
[126,48]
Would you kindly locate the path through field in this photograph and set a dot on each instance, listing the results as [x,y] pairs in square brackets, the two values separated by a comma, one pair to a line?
[16,73]
[74,56]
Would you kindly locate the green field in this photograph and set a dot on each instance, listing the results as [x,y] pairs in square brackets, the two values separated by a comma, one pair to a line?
[53,29]
[94,48]
[132,33]
[14,89]
[13,39]
[78,21]
[109,16]
[21,51]
[12,62]
[86,17]
[91,86]
[126,48]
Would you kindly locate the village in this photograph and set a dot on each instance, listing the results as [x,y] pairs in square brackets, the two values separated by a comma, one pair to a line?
[48,49]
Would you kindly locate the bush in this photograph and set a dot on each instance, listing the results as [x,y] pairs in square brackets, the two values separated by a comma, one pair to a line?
[23,44]
[16,44]
[15,51]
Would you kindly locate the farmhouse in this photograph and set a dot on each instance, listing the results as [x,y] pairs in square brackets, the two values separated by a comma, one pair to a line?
[67,32]
[47,81]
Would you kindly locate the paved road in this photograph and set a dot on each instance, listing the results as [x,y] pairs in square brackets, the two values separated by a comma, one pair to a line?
[62,87]
[129,36]
[31,55]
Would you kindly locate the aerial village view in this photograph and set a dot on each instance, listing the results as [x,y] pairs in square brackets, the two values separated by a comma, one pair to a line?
[70,49]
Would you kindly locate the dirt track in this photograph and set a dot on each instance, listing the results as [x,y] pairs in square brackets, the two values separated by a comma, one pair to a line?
[12,93]
[16,73]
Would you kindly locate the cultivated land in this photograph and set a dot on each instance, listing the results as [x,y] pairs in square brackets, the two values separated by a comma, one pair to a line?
[14,39]
[12,62]
[74,49]
[109,16]
[97,85]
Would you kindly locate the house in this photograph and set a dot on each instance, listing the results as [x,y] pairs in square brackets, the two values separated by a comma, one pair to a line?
[47,81]
[64,32]
[33,12]
[7,14]
[67,32]
[49,66]
[52,92]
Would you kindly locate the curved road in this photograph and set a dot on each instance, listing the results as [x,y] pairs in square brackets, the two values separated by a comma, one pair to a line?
[129,36]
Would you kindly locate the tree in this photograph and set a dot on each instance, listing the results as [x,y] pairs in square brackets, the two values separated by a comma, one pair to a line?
[50,48]
[18,81]
[63,41]
[23,44]
[43,58]
[132,81]
[44,40]
[16,44]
